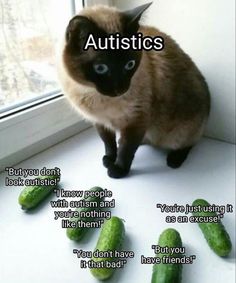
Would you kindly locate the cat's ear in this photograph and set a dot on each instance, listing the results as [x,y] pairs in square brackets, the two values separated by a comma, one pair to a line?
[132,17]
[78,29]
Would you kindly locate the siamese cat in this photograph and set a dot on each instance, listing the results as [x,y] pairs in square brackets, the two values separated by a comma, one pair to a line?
[154,97]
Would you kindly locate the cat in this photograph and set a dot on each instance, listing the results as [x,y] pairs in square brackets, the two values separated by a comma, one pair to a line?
[154,97]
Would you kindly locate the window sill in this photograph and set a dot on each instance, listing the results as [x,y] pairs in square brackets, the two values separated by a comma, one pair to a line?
[33,130]
[203,175]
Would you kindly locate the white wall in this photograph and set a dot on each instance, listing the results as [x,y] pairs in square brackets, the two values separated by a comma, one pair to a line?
[205,29]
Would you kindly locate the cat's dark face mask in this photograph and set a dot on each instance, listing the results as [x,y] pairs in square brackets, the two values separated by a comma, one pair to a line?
[109,71]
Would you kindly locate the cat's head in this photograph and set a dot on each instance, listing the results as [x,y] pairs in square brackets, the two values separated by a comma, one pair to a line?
[109,71]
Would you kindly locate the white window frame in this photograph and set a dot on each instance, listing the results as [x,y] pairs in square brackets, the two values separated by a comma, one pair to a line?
[42,124]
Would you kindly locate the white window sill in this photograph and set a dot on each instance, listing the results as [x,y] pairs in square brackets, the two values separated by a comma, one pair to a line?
[33,130]
[209,172]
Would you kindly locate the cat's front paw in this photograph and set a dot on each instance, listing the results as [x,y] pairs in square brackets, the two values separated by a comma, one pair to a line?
[115,171]
[108,160]
[176,157]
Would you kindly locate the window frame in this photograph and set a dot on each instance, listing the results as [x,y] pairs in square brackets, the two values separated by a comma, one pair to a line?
[35,126]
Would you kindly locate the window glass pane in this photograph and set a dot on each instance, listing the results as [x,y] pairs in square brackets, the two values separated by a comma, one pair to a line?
[29,33]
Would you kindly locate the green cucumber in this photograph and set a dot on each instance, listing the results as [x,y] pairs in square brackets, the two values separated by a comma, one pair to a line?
[31,196]
[76,234]
[110,239]
[168,273]
[215,234]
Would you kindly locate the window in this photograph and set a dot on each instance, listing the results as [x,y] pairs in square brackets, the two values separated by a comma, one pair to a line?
[34,114]
[29,33]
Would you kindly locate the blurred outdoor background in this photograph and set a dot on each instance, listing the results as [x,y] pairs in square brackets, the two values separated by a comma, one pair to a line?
[29,34]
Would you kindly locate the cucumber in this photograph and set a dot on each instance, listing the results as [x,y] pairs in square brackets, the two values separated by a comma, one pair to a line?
[215,234]
[76,234]
[168,273]
[31,196]
[110,239]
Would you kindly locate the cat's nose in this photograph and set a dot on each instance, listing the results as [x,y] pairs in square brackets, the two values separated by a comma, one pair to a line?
[119,91]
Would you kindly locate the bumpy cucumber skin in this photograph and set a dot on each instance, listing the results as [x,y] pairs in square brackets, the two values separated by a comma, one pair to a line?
[215,234]
[168,273]
[31,196]
[110,239]
[76,234]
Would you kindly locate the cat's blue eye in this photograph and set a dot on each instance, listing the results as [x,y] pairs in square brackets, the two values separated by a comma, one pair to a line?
[130,65]
[100,69]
